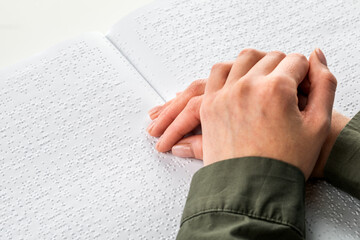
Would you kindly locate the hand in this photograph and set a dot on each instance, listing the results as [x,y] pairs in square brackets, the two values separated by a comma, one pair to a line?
[251,108]
[192,146]
[181,115]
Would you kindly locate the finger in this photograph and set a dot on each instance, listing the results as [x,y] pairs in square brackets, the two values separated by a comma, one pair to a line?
[244,62]
[218,76]
[168,114]
[267,64]
[294,66]
[322,86]
[189,147]
[156,111]
[184,123]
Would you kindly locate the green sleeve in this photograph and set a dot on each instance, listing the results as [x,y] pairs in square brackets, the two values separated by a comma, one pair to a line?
[343,166]
[245,198]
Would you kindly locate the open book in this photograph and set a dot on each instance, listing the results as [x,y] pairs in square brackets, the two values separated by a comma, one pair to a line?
[76,161]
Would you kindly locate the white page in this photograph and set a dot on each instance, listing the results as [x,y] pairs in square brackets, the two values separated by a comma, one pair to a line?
[75,161]
[175,42]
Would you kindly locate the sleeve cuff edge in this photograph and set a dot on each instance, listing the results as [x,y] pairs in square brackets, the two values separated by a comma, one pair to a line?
[243,213]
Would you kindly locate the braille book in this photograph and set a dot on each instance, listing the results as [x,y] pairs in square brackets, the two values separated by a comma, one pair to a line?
[75,159]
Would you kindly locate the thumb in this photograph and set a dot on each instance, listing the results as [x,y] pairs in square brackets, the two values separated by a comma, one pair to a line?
[322,86]
[189,147]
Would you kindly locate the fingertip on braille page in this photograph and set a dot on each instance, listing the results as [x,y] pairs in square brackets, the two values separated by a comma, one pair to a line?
[154,111]
[159,145]
[155,115]
[151,126]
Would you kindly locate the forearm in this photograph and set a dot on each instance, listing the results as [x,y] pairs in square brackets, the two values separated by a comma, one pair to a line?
[245,198]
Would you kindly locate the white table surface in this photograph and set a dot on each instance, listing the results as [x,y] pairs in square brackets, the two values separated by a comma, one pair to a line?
[29,26]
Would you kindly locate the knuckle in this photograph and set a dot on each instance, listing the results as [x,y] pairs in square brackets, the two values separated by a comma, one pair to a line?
[278,87]
[277,54]
[197,87]
[299,59]
[194,105]
[327,76]
[298,55]
[193,101]
[278,81]
[248,51]
[243,86]
[219,67]
[198,83]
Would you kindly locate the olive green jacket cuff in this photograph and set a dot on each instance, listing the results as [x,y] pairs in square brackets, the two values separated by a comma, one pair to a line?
[245,198]
[343,166]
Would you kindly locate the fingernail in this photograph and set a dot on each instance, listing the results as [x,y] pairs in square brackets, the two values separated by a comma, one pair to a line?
[158,143]
[321,56]
[182,150]
[150,127]
[154,110]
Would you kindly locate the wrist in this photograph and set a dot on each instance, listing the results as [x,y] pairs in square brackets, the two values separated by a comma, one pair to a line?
[338,122]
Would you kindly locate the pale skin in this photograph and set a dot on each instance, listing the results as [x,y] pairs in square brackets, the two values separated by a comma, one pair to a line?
[251,107]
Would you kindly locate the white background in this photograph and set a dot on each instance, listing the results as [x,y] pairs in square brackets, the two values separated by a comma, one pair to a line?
[29,26]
